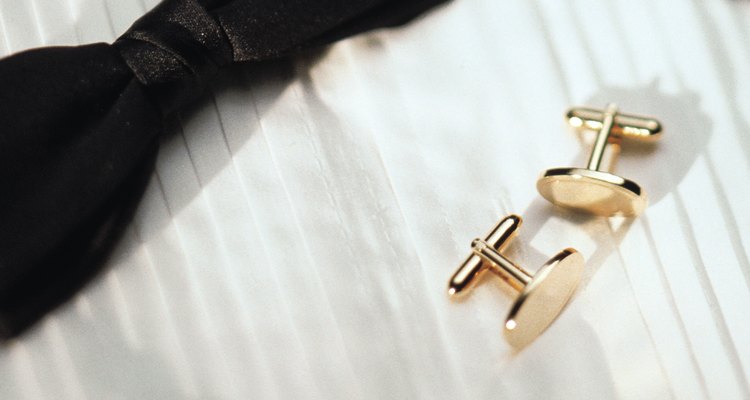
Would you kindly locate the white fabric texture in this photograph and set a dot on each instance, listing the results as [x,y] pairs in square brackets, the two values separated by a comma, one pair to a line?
[298,234]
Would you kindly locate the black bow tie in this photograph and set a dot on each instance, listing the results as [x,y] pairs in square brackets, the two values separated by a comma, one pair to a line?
[79,126]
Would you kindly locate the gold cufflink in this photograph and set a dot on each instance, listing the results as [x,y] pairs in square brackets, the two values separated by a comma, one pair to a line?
[590,189]
[541,295]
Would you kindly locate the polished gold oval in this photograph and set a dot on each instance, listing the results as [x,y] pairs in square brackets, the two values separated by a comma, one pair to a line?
[541,301]
[594,192]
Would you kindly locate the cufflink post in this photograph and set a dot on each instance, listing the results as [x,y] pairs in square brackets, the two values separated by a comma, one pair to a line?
[590,189]
[542,295]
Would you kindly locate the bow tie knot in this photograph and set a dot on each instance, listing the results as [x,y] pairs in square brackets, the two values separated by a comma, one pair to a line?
[173,50]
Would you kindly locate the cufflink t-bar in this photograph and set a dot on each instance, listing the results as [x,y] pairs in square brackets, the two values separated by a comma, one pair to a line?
[542,295]
[590,189]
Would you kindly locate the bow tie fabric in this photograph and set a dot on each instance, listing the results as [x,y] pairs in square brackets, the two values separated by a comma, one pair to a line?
[79,126]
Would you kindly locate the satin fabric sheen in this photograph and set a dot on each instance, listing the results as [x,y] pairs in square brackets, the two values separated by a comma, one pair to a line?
[79,126]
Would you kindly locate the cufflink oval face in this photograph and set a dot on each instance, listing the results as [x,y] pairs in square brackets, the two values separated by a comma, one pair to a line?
[590,189]
[595,192]
[542,295]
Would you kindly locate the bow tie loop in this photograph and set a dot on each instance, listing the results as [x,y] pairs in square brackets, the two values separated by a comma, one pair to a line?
[80,126]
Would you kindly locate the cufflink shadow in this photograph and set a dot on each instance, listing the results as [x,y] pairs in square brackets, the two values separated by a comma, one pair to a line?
[586,374]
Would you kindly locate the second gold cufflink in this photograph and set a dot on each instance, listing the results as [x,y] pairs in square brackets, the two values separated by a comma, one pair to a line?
[542,295]
[590,189]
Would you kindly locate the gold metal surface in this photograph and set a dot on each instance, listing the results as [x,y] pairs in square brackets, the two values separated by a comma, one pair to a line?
[501,266]
[595,192]
[542,295]
[590,189]
[542,300]
[595,160]
[630,126]
[465,277]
